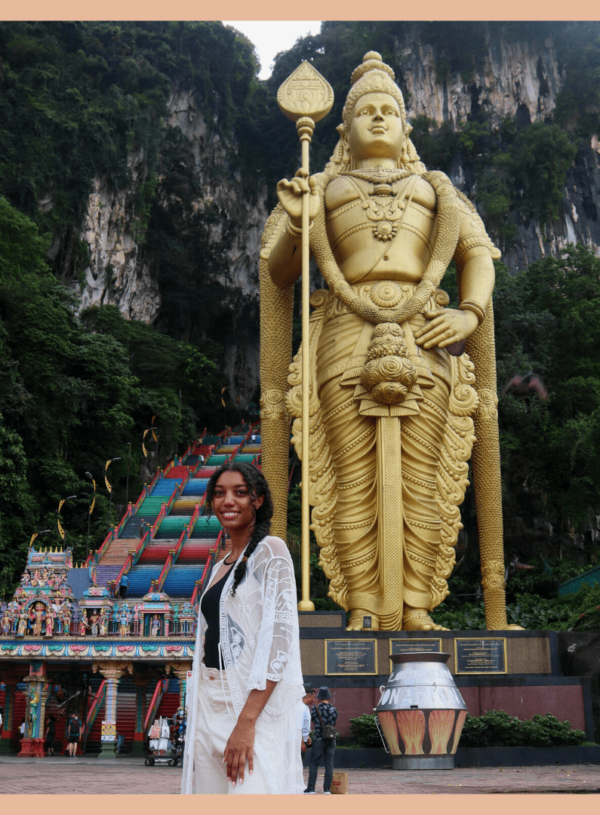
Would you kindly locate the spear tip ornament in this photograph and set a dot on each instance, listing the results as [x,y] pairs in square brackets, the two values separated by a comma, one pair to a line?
[305,93]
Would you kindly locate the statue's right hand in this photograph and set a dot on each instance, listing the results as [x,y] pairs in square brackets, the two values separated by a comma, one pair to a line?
[290,195]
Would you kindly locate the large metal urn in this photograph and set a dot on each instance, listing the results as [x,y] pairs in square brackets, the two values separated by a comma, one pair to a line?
[421,712]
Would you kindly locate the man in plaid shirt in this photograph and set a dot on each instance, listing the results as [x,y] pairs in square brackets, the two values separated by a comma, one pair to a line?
[321,747]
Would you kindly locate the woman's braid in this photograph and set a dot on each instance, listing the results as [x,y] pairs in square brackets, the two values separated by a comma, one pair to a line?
[257,485]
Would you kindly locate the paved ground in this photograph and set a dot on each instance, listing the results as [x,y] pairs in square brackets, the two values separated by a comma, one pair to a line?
[82,775]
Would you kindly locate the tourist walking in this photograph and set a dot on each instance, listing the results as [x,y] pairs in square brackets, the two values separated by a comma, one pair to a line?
[73,734]
[323,716]
[242,735]
[303,719]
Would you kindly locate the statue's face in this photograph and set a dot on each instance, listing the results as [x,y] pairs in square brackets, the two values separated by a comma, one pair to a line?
[376,127]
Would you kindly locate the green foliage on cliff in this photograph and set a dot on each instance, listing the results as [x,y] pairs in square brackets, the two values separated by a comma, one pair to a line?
[74,394]
[548,321]
[77,97]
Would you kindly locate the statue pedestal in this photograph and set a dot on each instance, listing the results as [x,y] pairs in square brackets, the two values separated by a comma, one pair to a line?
[515,671]
[32,748]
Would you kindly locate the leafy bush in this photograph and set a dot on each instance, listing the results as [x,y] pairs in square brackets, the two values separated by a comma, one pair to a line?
[364,730]
[494,729]
[498,729]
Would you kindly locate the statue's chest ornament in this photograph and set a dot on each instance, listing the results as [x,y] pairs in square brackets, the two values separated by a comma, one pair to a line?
[384,214]
[385,210]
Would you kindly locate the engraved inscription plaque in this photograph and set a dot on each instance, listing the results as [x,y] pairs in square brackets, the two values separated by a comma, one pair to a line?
[480,656]
[410,646]
[350,657]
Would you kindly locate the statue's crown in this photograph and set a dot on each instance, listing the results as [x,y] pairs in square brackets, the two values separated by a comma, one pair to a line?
[371,61]
[372,76]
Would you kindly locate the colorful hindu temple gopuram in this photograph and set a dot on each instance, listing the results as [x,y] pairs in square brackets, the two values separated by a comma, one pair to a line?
[74,639]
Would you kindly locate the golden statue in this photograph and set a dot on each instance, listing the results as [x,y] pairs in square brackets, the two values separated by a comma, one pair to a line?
[393,414]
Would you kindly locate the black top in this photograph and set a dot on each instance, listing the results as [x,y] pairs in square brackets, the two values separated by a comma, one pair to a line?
[209,606]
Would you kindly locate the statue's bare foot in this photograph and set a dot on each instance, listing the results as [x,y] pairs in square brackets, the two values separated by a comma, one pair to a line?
[417,619]
[356,620]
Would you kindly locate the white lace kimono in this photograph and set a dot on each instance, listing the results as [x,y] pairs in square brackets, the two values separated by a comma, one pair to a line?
[260,640]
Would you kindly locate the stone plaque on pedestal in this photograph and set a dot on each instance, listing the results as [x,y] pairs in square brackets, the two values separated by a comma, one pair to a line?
[480,656]
[350,657]
[411,646]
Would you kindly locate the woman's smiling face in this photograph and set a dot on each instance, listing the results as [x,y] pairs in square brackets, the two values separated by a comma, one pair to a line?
[232,502]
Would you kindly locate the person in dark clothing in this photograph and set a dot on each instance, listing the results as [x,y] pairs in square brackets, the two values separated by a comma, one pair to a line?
[123,586]
[322,714]
[49,736]
[73,734]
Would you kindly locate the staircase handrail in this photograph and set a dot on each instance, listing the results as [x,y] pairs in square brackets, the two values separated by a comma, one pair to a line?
[184,480]
[140,500]
[187,531]
[141,546]
[104,545]
[159,691]
[208,567]
[152,484]
[129,561]
[169,467]
[172,499]
[219,543]
[157,522]
[92,713]
[195,592]
[124,519]
[186,454]
[165,570]
[247,436]
[199,464]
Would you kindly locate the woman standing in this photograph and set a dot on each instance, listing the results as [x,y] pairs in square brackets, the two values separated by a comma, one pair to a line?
[242,735]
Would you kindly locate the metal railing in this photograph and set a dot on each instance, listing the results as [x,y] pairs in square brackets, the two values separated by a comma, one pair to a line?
[160,689]
[92,713]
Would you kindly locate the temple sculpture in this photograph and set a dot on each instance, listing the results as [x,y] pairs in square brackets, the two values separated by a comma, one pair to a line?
[396,404]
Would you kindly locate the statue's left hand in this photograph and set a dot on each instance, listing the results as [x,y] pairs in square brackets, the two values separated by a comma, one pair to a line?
[445,327]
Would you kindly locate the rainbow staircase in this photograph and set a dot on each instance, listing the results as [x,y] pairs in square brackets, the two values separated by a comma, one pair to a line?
[167,539]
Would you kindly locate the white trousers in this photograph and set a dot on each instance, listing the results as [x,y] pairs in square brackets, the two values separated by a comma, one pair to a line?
[215,721]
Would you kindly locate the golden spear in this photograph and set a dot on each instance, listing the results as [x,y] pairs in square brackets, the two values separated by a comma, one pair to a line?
[305,97]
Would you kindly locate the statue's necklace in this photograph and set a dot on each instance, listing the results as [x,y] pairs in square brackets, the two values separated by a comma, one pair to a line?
[387,215]
[379,175]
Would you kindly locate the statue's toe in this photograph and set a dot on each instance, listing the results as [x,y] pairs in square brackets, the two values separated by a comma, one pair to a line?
[420,621]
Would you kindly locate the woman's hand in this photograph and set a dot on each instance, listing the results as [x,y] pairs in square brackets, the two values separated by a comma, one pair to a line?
[239,749]
[290,195]
[445,327]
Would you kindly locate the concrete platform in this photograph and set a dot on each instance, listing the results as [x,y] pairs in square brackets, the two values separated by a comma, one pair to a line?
[81,776]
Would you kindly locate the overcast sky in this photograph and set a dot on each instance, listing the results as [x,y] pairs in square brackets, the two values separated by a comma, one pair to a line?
[271,37]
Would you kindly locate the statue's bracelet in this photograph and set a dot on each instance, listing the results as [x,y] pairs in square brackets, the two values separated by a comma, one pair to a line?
[471,305]
[295,231]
